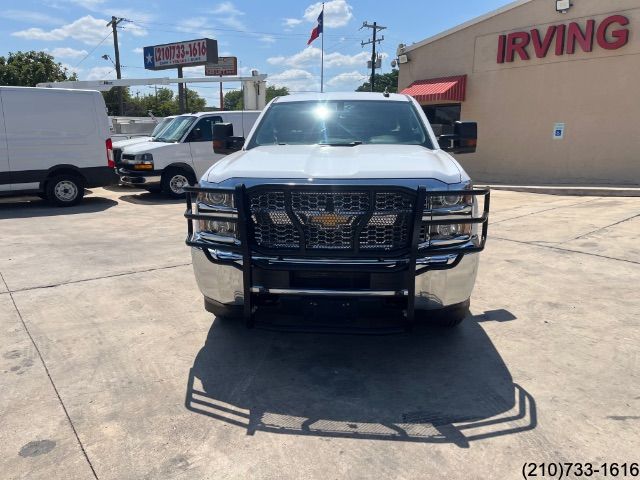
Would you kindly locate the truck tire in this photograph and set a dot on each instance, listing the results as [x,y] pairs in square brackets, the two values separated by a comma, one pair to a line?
[174,179]
[447,317]
[65,190]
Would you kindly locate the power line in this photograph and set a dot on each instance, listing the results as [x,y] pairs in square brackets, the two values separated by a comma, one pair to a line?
[248,33]
[93,50]
[375,27]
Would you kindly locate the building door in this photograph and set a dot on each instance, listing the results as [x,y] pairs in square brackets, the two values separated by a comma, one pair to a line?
[442,117]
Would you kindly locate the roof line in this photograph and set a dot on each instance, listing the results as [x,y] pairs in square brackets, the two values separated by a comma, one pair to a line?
[468,24]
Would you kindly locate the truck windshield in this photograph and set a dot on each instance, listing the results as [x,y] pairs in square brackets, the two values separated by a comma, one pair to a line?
[341,123]
[161,126]
[176,130]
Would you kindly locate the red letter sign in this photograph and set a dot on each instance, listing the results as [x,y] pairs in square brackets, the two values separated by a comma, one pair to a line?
[517,43]
[542,46]
[574,34]
[621,35]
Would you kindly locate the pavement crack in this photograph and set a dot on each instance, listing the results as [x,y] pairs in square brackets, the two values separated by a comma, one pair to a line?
[91,279]
[531,244]
[53,385]
[543,211]
[600,229]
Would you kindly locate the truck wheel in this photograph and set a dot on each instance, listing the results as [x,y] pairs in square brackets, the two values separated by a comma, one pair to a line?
[174,180]
[64,190]
[447,317]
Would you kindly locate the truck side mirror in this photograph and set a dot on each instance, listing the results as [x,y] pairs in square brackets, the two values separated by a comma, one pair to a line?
[224,142]
[464,138]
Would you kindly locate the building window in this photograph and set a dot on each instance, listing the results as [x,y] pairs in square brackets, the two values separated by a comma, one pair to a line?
[442,117]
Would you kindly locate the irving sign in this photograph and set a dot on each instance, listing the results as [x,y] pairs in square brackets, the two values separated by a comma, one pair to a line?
[610,34]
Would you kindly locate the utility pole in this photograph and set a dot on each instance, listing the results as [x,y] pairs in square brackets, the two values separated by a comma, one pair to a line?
[375,27]
[114,24]
[181,96]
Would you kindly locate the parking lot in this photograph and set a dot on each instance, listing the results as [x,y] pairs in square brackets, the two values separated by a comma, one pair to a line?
[110,368]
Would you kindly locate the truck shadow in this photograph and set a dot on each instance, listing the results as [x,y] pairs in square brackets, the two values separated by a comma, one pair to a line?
[431,386]
[31,207]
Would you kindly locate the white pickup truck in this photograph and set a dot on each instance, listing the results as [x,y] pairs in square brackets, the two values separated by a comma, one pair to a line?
[345,197]
[179,154]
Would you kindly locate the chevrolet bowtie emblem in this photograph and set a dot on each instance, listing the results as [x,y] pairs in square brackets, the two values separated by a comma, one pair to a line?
[329,220]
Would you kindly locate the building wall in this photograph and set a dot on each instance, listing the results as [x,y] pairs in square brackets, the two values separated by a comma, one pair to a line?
[596,94]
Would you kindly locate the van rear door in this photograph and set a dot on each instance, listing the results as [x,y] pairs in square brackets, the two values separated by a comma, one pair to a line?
[5,182]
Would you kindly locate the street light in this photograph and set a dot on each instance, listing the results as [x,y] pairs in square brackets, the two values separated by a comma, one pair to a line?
[107,57]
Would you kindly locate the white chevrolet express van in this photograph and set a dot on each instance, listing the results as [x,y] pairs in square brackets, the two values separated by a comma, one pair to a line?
[54,143]
[180,154]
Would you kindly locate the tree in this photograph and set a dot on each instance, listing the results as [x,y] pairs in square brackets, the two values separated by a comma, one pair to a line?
[233,98]
[386,80]
[161,103]
[27,69]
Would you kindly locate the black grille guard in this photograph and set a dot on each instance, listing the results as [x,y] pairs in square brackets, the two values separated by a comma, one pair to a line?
[416,259]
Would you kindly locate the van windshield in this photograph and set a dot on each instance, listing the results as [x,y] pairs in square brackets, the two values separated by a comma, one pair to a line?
[176,129]
[341,123]
[161,126]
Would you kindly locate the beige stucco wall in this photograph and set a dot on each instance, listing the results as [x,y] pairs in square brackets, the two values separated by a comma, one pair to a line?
[597,96]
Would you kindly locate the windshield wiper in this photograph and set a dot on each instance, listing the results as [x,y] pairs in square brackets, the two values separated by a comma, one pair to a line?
[346,144]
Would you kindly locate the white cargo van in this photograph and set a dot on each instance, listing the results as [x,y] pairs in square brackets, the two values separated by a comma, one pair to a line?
[120,144]
[54,143]
[181,154]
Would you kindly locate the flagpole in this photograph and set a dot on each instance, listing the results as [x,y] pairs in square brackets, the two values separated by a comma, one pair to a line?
[322,54]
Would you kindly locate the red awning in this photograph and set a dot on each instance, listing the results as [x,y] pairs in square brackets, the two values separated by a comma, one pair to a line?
[436,89]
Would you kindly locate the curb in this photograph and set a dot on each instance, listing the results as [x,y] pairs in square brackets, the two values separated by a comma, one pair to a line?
[572,191]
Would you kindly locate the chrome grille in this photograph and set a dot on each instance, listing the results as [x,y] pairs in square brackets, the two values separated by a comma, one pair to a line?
[330,220]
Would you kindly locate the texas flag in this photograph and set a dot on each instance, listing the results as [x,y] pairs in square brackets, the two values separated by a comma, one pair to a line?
[315,33]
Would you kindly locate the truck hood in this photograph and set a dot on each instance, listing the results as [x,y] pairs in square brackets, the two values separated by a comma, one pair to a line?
[322,162]
[148,147]
[130,141]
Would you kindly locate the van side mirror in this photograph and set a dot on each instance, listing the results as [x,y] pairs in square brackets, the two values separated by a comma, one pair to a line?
[224,142]
[464,138]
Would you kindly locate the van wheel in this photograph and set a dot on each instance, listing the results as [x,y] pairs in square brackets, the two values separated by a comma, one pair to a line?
[64,190]
[174,180]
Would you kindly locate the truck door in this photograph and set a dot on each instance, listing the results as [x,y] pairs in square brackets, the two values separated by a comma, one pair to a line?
[5,182]
[201,144]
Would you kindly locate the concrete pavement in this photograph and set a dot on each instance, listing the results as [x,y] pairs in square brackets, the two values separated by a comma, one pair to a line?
[111,369]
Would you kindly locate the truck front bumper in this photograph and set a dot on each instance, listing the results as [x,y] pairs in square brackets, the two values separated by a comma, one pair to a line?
[140,179]
[222,283]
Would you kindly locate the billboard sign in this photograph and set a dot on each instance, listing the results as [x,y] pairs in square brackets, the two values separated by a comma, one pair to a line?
[224,66]
[181,54]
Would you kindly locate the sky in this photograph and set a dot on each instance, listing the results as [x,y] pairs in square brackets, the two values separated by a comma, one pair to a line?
[270,37]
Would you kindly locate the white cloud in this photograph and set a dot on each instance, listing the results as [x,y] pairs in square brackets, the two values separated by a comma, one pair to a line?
[66,52]
[71,68]
[312,55]
[337,13]
[86,29]
[193,71]
[291,22]
[227,8]
[196,25]
[267,39]
[227,14]
[138,50]
[100,73]
[347,80]
[30,17]
[296,80]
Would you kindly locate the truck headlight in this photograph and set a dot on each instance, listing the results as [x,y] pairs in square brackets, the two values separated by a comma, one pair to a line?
[143,161]
[216,200]
[451,232]
[215,227]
